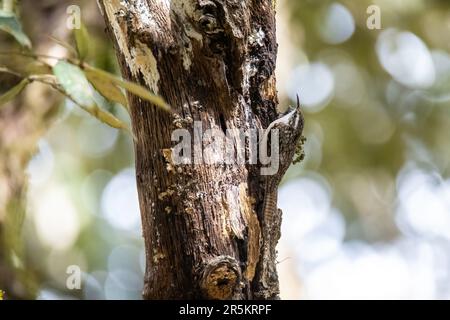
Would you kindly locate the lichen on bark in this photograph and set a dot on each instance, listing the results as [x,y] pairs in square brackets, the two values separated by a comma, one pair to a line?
[213,61]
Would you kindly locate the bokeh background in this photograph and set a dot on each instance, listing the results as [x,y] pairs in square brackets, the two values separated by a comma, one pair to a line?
[366,215]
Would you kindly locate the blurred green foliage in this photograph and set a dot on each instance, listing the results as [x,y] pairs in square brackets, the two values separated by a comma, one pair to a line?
[373,125]
[364,127]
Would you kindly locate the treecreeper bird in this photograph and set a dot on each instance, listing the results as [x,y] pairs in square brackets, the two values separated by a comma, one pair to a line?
[290,129]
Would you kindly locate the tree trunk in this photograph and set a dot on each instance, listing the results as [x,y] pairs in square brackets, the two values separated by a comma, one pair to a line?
[214,63]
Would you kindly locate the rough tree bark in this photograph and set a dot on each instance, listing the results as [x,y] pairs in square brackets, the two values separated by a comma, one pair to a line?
[214,62]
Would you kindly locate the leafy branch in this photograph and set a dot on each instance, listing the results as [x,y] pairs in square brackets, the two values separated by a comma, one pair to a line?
[74,78]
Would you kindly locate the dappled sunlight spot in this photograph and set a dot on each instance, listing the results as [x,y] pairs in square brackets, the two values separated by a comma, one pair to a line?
[92,188]
[418,151]
[48,293]
[123,285]
[336,24]
[290,282]
[71,108]
[404,100]
[93,286]
[65,110]
[366,215]
[365,272]
[94,138]
[56,51]
[330,268]
[41,166]
[394,92]
[440,91]
[430,267]
[314,83]
[119,202]
[125,257]
[56,221]
[406,58]
[424,204]
[323,242]
[306,204]
[441,60]
[412,173]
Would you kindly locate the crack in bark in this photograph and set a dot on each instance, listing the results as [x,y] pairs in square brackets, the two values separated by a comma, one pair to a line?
[214,65]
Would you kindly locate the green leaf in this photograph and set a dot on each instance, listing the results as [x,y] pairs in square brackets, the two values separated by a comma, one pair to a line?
[36,68]
[107,88]
[13,92]
[108,118]
[82,42]
[129,86]
[145,94]
[72,79]
[77,87]
[10,24]
[23,64]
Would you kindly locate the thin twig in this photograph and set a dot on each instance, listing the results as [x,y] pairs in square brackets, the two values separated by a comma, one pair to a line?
[5,69]
[30,55]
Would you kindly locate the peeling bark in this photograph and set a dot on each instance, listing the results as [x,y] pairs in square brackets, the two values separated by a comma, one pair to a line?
[214,62]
